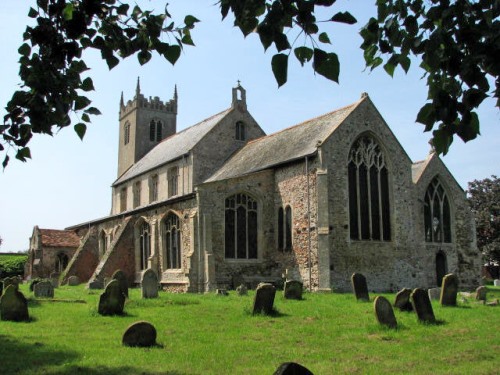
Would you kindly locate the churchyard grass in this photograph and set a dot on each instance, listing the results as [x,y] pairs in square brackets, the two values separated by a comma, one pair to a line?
[210,334]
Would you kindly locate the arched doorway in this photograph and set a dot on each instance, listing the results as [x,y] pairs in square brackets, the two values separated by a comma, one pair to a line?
[441,267]
[61,262]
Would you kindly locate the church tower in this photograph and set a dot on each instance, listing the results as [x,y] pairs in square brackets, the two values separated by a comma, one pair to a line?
[143,124]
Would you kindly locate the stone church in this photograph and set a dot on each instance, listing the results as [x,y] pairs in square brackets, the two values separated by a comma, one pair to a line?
[221,203]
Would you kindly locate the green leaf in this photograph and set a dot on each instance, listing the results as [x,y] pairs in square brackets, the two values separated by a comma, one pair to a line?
[441,140]
[23,154]
[5,161]
[186,38]
[68,12]
[303,54]
[112,61]
[279,64]
[81,102]
[172,54]
[405,63]
[85,117]
[389,68]
[80,129]
[93,111]
[344,17]
[143,57]
[326,64]
[87,84]
[323,38]
[190,20]
[24,49]
[427,116]
[32,13]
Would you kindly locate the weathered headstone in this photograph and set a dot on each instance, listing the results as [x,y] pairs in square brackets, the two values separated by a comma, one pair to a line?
[384,312]
[434,294]
[120,276]
[292,368]
[221,292]
[54,278]
[13,305]
[422,305]
[112,301]
[73,280]
[496,282]
[402,301]
[149,284]
[293,289]
[264,299]
[481,293]
[141,334]
[449,290]
[359,287]
[11,281]
[95,284]
[242,290]
[44,289]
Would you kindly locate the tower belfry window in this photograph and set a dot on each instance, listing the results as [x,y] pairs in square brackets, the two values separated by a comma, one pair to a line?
[126,135]
[155,130]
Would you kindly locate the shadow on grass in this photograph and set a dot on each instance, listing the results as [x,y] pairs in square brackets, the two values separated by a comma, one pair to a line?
[437,322]
[102,370]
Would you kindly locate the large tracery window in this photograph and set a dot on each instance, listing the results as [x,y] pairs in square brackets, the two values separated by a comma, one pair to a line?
[437,213]
[241,227]
[369,214]
[172,232]
[144,245]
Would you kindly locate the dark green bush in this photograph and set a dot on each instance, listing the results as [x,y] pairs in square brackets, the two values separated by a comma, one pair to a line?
[12,265]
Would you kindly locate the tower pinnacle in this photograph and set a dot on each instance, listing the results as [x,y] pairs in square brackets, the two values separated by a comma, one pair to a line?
[138,88]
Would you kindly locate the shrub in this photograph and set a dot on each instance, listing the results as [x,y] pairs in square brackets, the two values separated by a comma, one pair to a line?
[12,265]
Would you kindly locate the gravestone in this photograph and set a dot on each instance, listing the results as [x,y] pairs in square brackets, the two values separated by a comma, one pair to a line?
[434,294]
[95,284]
[292,368]
[264,299]
[221,292]
[496,282]
[111,302]
[120,276]
[293,289]
[44,289]
[481,293]
[11,281]
[149,284]
[449,290]
[142,334]
[54,278]
[384,312]
[402,301]
[422,305]
[242,290]
[13,305]
[73,280]
[359,287]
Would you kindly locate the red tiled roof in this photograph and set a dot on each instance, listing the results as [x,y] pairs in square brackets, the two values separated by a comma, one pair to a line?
[59,238]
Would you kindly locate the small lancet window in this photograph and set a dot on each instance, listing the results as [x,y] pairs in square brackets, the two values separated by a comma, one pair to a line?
[240,131]
[144,245]
[126,135]
[173,181]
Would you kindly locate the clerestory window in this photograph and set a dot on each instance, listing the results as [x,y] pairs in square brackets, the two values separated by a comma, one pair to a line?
[173,181]
[137,194]
[240,227]
[172,232]
[153,188]
[368,180]
[437,219]
[123,199]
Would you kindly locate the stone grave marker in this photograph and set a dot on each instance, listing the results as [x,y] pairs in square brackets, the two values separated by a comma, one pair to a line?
[149,284]
[293,289]
[120,276]
[54,279]
[422,306]
[496,282]
[434,294]
[44,289]
[481,293]
[13,305]
[449,290]
[359,287]
[221,292]
[11,281]
[242,290]
[402,301]
[142,334]
[264,299]
[292,368]
[95,284]
[73,280]
[112,301]
[384,312]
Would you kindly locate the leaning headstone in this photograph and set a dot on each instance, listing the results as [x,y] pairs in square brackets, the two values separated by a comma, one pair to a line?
[481,293]
[44,289]
[293,289]
[292,368]
[13,305]
[242,290]
[149,284]
[496,282]
[73,281]
[264,299]
[422,305]
[111,302]
[384,312]
[359,287]
[141,334]
[449,290]
[122,280]
[402,301]
[221,292]
[434,294]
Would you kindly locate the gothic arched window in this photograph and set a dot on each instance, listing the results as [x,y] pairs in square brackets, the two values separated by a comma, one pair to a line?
[240,131]
[173,181]
[126,133]
[172,232]
[61,262]
[155,130]
[437,219]
[144,245]
[285,228]
[369,213]
[240,227]
[153,188]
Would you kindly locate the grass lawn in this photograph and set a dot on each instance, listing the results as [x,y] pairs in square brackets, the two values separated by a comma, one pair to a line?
[210,334]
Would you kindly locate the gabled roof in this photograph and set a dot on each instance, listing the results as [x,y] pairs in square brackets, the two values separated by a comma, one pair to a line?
[284,146]
[172,147]
[59,238]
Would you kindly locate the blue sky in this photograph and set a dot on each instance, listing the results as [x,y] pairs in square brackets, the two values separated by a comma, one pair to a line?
[68,181]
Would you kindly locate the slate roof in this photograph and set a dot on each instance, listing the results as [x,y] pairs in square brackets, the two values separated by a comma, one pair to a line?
[172,147]
[284,146]
[59,238]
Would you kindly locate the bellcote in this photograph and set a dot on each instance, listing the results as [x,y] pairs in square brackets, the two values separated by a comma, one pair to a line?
[239,98]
